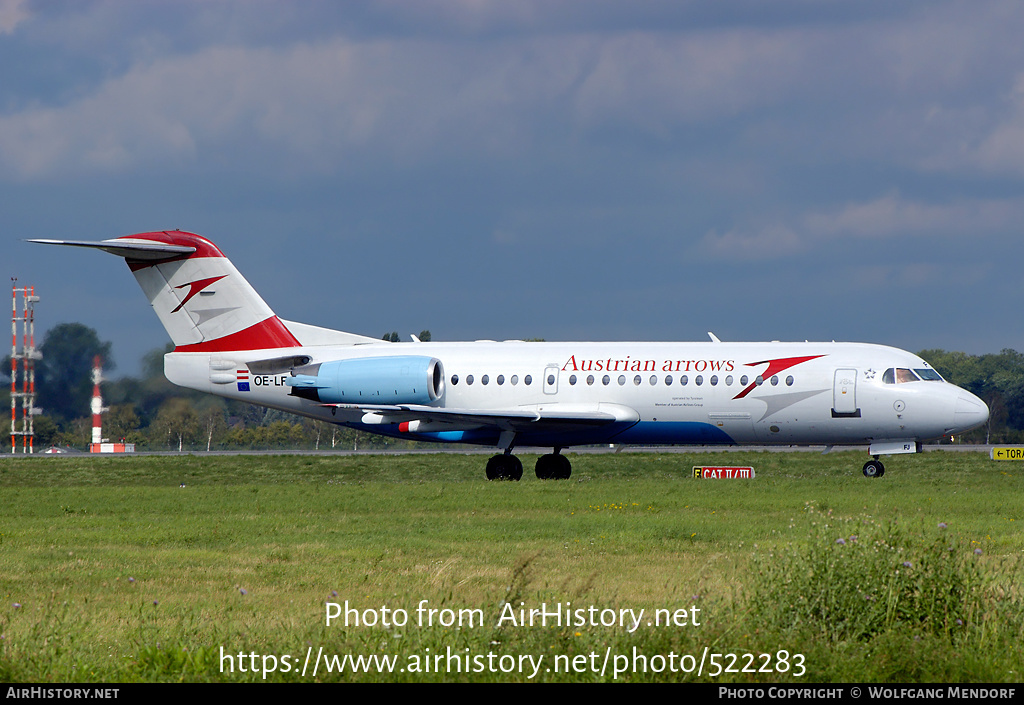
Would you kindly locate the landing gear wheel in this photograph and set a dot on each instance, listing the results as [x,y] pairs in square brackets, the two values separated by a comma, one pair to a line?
[553,467]
[874,468]
[504,467]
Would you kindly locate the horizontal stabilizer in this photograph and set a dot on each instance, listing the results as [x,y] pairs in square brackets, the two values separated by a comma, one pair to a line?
[126,248]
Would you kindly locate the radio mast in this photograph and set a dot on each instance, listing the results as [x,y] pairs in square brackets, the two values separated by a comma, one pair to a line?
[23,365]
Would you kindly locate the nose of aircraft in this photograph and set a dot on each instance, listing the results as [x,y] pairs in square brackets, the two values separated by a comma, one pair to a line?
[969,412]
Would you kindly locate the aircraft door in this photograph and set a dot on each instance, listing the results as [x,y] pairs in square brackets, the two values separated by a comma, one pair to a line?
[551,379]
[844,393]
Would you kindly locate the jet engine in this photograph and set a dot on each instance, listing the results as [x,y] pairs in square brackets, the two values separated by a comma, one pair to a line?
[403,379]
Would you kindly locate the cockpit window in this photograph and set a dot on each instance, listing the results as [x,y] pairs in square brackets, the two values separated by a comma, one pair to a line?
[929,375]
[905,375]
[901,375]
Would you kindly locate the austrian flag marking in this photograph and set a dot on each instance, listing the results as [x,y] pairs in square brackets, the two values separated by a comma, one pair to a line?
[242,377]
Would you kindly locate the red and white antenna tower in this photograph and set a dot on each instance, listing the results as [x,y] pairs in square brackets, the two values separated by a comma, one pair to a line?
[23,365]
[96,405]
[99,443]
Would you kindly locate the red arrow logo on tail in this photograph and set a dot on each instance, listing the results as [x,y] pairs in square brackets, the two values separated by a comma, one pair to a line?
[197,286]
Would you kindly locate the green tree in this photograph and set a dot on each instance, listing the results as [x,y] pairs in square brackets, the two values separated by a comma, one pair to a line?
[64,374]
[212,421]
[176,423]
[120,421]
[46,430]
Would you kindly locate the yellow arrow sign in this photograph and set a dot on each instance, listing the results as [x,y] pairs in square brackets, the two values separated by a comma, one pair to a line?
[1008,454]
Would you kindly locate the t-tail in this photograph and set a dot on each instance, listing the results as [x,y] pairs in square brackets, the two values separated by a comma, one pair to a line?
[203,302]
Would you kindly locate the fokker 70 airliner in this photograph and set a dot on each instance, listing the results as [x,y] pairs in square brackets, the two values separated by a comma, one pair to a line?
[228,342]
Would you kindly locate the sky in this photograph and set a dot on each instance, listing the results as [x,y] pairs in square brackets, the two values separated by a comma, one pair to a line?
[566,170]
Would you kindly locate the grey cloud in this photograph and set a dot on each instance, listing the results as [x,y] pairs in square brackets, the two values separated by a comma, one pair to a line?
[12,13]
[314,104]
[890,217]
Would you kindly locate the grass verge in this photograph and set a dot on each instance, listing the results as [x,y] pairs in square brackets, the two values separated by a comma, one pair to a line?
[156,568]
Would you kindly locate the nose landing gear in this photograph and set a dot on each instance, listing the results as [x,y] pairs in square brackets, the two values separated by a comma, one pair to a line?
[874,468]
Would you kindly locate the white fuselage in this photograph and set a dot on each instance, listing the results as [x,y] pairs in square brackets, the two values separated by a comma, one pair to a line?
[661,393]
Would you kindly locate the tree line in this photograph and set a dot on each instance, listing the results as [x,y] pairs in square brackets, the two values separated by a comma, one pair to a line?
[154,414]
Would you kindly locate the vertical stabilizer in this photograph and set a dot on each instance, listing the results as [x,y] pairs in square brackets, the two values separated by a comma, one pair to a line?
[204,303]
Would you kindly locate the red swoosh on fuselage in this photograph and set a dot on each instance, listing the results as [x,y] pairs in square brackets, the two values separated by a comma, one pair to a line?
[774,368]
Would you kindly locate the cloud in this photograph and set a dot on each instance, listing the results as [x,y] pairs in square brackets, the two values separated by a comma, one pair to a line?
[723,109]
[1001,150]
[661,83]
[767,243]
[897,275]
[890,217]
[12,13]
[315,105]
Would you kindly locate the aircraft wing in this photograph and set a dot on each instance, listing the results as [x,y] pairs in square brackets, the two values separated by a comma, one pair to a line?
[540,418]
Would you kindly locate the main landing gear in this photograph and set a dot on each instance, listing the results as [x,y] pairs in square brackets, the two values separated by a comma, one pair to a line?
[874,468]
[506,466]
[553,466]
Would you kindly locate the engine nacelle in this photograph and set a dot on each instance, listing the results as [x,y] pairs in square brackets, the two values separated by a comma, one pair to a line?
[403,379]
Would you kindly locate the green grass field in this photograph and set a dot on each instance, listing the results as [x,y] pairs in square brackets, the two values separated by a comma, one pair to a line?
[111,570]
